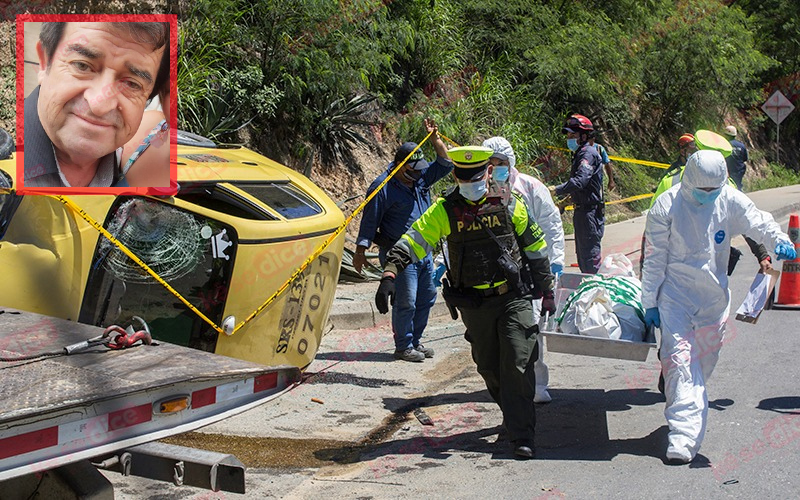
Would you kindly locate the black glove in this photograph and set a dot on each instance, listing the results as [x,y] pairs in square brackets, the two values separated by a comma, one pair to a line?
[548,303]
[385,291]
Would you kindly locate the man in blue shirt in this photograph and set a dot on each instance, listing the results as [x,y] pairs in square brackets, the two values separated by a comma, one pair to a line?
[737,158]
[585,184]
[385,219]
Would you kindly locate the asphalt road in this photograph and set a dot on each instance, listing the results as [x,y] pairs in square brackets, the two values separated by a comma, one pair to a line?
[603,436]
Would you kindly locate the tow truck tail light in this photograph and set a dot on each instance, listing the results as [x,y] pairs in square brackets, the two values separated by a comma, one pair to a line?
[172,405]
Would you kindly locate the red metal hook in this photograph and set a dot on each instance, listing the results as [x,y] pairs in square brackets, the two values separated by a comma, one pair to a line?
[123,340]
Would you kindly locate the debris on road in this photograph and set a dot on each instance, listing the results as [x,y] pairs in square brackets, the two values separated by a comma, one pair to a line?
[423,417]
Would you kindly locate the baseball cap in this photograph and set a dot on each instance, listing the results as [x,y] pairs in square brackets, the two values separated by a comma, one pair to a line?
[417,160]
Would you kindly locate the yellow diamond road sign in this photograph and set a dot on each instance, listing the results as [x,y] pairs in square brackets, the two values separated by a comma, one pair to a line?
[778,107]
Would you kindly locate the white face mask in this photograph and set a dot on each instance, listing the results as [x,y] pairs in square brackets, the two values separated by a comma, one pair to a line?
[473,191]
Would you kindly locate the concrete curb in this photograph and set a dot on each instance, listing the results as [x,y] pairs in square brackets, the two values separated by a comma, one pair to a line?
[784,211]
[354,315]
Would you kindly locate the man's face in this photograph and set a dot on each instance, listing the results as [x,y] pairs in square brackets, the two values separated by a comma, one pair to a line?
[94,90]
[483,177]
[499,170]
[495,161]
[408,175]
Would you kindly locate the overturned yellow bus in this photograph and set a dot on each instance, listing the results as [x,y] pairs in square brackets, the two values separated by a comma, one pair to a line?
[238,229]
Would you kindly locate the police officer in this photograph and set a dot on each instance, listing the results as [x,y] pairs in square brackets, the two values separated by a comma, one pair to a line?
[585,184]
[497,261]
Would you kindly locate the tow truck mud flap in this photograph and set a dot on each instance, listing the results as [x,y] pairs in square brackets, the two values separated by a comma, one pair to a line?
[63,409]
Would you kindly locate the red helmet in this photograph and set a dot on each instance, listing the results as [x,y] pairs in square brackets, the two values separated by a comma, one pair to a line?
[578,123]
[685,139]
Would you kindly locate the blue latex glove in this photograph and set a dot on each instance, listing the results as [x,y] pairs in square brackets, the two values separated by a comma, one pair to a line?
[785,251]
[651,317]
[556,269]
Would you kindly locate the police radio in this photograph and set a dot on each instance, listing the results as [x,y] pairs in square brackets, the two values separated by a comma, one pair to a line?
[507,263]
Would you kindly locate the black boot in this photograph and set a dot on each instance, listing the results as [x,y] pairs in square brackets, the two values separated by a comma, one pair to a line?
[523,449]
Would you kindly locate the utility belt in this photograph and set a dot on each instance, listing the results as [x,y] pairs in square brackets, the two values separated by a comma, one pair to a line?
[494,291]
[470,298]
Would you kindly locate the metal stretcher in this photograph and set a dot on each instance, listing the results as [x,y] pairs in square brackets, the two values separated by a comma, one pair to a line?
[568,343]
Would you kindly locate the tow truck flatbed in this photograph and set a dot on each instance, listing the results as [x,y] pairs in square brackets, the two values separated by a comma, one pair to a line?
[60,410]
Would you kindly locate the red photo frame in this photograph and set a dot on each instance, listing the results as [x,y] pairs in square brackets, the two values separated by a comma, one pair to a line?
[173,122]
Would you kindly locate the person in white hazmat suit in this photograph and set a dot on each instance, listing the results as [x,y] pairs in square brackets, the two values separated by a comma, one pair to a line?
[547,215]
[685,285]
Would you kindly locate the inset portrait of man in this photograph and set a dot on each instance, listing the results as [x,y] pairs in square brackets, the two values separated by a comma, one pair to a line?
[94,81]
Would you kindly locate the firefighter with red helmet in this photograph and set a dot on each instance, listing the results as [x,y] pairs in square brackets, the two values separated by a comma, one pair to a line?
[585,184]
[686,147]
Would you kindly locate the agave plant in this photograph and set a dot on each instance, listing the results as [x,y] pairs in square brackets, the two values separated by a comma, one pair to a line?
[214,115]
[334,133]
[206,101]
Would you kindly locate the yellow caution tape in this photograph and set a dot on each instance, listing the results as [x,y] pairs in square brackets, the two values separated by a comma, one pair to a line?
[329,240]
[451,141]
[75,208]
[623,200]
[88,218]
[647,163]
[631,198]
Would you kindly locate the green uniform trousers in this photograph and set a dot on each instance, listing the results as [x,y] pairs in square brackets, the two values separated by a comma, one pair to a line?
[503,338]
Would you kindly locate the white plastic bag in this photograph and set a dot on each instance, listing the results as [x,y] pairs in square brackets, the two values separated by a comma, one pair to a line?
[592,314]
[631,325]
[616,264]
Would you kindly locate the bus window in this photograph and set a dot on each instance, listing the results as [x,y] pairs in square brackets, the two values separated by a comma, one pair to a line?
[192,253]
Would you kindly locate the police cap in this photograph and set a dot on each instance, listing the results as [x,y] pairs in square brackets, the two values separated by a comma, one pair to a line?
[470,161]
[706,139]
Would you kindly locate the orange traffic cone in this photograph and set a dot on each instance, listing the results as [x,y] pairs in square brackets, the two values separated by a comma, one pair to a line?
[789,288]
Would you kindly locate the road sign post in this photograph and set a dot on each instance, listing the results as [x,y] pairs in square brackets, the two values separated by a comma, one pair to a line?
[778,108]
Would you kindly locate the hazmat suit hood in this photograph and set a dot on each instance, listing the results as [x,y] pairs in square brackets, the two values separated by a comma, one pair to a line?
[704,169]
[512,178]
[501,146]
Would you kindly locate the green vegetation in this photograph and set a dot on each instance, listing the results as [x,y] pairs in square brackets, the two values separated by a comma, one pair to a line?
[303,81]
[776,176]
[643,71]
